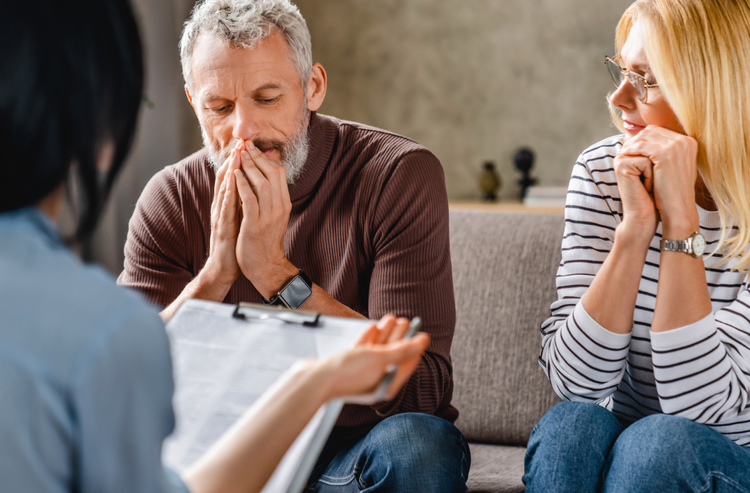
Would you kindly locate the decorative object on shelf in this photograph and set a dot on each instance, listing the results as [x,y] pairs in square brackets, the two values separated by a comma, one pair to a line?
[524,161]
[489,182]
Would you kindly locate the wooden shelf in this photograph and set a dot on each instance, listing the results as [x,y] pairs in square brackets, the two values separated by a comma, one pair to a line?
[503,206]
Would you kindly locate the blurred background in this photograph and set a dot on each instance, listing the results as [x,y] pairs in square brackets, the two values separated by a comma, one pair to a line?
[472,80]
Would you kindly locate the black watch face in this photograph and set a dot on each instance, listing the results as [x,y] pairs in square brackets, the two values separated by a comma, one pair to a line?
[295,293]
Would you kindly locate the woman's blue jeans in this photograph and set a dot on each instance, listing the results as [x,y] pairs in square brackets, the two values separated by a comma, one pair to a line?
[581,447]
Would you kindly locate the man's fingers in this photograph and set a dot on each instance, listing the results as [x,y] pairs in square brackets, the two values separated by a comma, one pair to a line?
[249,200]
[274,173]
[218,200]
[230,200]
[221,181]
[220,174]
[226,217]
[265,165]
[262,188]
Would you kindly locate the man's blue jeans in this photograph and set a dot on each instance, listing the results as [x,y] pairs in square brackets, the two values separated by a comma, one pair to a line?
[580,447]
[407,452]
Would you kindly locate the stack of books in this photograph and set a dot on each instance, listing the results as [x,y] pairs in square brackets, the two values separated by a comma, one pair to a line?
[545,196]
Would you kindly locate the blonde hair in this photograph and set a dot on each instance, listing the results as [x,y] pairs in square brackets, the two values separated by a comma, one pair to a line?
[698,52]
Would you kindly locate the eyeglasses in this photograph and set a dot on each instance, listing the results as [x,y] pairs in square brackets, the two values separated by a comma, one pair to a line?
[636,80]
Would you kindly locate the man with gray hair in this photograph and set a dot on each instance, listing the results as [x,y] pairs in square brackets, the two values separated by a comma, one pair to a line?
[286,206]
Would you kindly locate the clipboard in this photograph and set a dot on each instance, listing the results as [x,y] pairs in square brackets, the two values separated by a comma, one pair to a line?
[218,347]
[254,311]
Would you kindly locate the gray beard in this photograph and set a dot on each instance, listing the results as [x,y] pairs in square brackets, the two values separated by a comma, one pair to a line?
[293,152]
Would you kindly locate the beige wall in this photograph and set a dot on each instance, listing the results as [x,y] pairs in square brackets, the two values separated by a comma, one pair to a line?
[472,80]
[166,133]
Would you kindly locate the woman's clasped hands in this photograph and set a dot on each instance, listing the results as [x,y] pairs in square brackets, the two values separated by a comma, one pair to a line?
[657,173]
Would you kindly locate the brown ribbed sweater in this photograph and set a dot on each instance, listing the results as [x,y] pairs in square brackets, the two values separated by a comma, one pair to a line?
[369,224]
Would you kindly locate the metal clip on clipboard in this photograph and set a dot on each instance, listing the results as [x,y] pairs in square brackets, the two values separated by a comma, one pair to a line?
[253,311]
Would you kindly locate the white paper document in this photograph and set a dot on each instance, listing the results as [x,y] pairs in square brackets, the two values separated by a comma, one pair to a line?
[223,364]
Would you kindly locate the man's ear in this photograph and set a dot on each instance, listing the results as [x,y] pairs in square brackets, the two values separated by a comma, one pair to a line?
[316,87]
[190,99]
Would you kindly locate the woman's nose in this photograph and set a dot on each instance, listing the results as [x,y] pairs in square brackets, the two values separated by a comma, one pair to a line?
[624,96]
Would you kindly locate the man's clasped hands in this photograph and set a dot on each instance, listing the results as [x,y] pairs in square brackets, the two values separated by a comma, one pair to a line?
[249,218]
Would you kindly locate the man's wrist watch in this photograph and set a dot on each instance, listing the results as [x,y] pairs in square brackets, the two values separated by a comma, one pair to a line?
[695,245]
[294,294]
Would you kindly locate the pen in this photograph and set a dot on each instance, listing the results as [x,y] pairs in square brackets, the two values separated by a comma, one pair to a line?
[414,326]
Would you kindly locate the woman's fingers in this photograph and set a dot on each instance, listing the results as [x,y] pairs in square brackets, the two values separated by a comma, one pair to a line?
[368,337]
[388,329]
[400,330]
[648,177]
[386,326]
[634,166]
[361,369]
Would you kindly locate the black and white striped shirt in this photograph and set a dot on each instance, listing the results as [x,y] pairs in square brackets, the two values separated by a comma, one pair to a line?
[700,372]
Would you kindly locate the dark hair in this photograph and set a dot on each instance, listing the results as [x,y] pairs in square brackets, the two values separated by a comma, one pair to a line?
[71,82]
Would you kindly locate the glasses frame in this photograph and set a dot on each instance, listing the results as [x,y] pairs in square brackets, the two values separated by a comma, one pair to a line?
[636,80]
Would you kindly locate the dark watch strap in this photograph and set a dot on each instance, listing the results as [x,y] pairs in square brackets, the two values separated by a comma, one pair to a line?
[294,294]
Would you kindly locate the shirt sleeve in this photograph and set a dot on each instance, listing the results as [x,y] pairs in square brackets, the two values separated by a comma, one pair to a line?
[702,370]
[156,263]
[122,397]
[583,360]
[412,274]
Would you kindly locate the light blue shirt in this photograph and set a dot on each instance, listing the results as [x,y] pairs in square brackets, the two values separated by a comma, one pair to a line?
[85,372]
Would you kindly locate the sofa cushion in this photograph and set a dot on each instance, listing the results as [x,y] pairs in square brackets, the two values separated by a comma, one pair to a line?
[504,269]
[495,469]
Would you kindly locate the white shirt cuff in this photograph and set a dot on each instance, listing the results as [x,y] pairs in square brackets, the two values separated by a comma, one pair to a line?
[684,336]
[598,333]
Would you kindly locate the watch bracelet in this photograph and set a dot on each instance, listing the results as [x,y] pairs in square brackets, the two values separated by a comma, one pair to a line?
[679,246]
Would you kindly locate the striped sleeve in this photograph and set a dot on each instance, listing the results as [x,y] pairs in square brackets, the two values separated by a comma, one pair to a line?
[583,360]
[702,370]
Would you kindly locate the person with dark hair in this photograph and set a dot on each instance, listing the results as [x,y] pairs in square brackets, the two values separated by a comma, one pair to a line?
[85,370]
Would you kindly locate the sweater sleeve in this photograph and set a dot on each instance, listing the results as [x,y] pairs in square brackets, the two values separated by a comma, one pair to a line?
[156,262]
[702,370]
[583,360]
[412,274]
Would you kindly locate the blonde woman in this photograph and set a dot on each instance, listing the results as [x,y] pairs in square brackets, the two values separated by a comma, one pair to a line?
[649,340]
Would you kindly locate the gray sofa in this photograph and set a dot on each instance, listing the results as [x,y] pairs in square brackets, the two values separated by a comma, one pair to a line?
[504,280]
